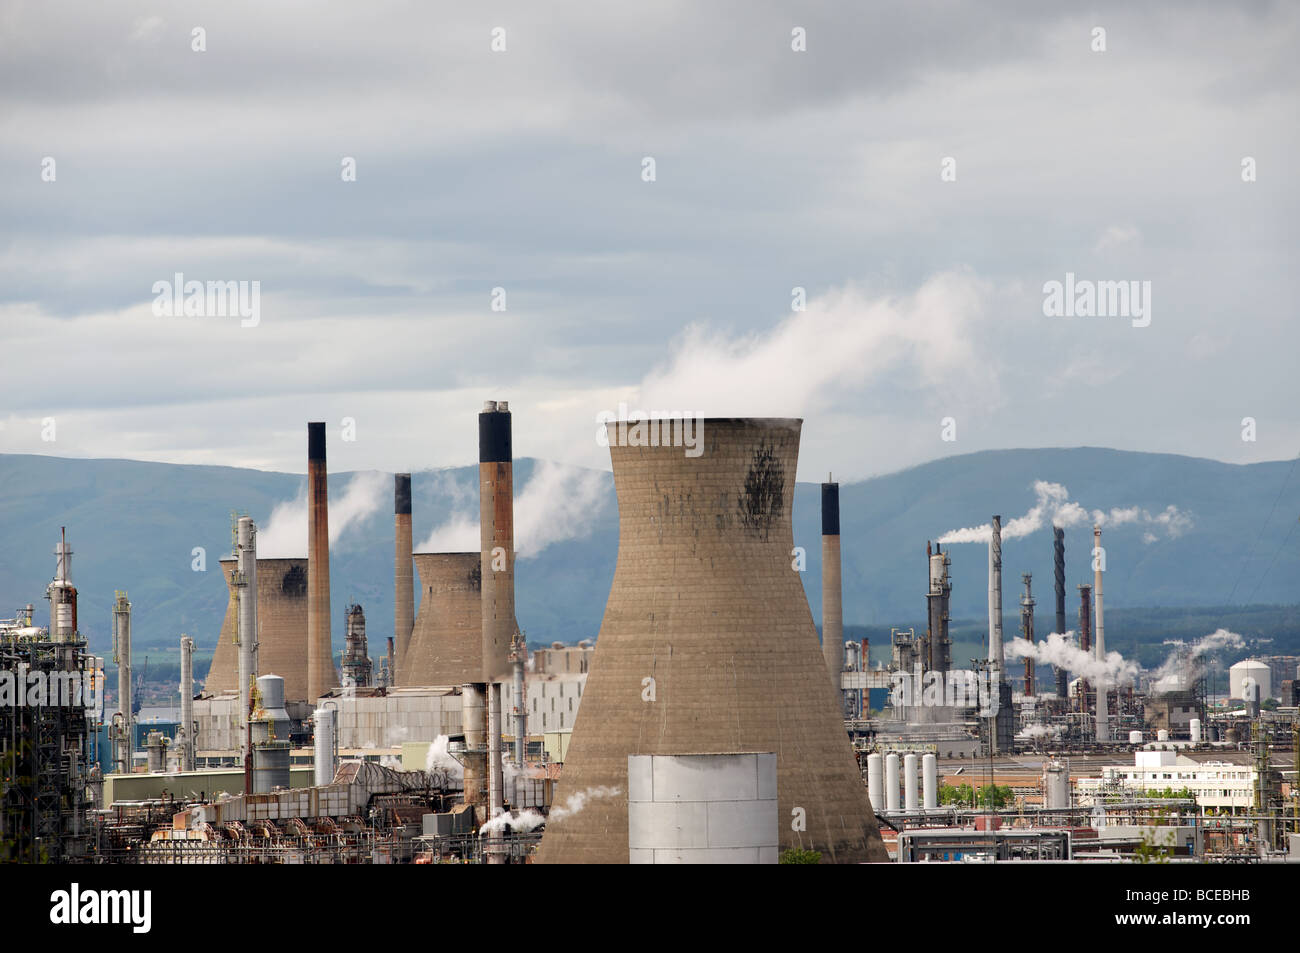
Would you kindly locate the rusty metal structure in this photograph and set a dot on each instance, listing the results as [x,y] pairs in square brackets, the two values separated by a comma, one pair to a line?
[708,645]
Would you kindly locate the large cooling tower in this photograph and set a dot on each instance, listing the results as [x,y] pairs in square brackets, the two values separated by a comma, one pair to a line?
[446,646]
[282,625]
[708,645]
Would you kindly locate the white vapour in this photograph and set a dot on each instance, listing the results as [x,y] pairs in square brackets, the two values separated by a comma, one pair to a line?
[1054,506]
[558,503]
[439,758]
[1186,663]
[841,338]
[285,532]
[1038,731]
[529,819]
[1062,651]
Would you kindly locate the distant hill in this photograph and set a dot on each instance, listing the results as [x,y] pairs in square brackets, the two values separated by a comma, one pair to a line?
[133,525]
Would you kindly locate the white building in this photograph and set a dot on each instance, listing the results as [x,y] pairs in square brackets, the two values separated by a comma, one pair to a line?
[1214,784]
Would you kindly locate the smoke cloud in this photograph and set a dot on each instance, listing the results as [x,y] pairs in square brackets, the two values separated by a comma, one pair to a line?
[439,759]
[1186,664]
[527,820]
[558,503]
[1054,506]
[839,339]
[1063,652]
[285,533]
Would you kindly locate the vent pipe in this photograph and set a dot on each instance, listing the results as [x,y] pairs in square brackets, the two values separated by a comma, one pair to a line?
[245,581]
[1027,628]
[403,579]
[321,676]
[1099,641]
[995,598]
[1058,553]
[187,703]
[122,656]
[832,592]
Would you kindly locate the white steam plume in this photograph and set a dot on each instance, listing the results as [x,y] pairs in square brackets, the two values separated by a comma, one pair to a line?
[527,820]
[1055,506]
[285,533]
[839,339]
[1186,664]
[558,503]
[439,759]
[1061,651]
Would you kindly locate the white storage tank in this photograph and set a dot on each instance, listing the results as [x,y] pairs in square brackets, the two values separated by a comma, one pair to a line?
[1056,785]
[702,809]
[1135,737]
[891,781]
[930,781]
[911,801]
[1194,726]
[1250,680]
[876,780]
[1162,734]
[323,718]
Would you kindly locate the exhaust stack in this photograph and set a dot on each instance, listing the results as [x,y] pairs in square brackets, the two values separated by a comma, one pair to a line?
[1058,553]
[403,580]
[1027,628]
[497,537]
[320,661]
[187,703]
[1099,642]
[832,591]
[995,598]
[245,582]
[937,600]
[122,656]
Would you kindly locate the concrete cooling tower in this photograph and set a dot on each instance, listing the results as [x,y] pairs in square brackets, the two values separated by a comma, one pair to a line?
[446,645]
[708,645]
[282,624]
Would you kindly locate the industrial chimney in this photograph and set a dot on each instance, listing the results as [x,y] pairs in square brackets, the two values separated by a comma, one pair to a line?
[937,599]
[1058,553]
[1027,628]
[403,583]
[122,656]
[832,593]
[497,537]
[708,645]
[320,660]
[1099,640]
[187,703]
[245,581]
[995,598]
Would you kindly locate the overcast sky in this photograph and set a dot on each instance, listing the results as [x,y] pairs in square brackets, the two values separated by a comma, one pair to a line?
[522,169]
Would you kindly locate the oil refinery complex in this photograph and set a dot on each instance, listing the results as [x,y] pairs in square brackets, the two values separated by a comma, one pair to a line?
[706,723]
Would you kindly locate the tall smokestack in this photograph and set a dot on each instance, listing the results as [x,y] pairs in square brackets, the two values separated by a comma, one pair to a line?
[995,597]
[320,661]
[403,580]
[832,592]
[187,703]
[122,656]
[245,581]
[1027,628]
[1058,552]
[937,599]
[1099,641]
[497,536]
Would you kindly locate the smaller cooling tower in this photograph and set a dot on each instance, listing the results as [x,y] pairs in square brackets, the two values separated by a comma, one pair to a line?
[446,646]
[282,619]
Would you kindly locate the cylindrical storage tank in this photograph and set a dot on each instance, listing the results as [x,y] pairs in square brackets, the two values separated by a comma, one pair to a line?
[325,734]
[876,780]
[930,781]
[270,766]
[1250,680]
[155,748]
[271,711]
[1056,785]
[1194,726]
[473,702]
[911,801]
[702,809]
[1135,737]
[1162,734]
[891,781]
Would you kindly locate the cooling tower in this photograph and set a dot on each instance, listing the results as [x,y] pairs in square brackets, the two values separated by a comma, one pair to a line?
[497,535]
[708,645]
[832,595]
[446,646]
[282,621]
[403,589]
[320,658]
